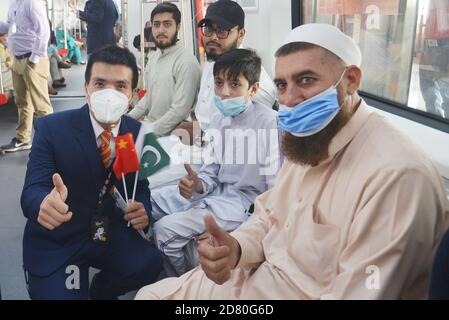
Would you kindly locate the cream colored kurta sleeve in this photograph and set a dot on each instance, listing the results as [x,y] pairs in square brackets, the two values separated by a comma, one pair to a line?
[188,76]
[391,238]
[251,234]
[141,109]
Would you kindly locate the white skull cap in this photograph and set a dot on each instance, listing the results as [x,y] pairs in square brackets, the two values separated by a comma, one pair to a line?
[330,38]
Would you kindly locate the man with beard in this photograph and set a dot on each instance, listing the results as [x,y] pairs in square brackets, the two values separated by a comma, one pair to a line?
[172,74]
[223,29]
[357,209]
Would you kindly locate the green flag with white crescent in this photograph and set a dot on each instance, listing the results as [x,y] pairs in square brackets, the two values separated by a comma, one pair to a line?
[153,158]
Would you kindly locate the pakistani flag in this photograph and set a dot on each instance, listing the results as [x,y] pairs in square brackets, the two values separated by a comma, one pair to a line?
[153,158]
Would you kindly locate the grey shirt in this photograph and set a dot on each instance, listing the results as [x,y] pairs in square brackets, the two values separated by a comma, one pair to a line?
[173,80]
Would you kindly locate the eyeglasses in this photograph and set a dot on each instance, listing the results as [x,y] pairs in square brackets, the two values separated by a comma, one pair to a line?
[208,31]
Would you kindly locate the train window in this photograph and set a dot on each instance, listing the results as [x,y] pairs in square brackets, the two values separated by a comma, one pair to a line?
[405,46]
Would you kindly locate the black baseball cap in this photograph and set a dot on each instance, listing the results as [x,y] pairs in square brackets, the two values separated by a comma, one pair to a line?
[226,14]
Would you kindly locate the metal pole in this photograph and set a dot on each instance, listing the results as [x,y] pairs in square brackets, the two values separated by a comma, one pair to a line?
[76,23]
[184,23]
[64,13]
[142,42]
[53,13]
[79,28]
[124,22]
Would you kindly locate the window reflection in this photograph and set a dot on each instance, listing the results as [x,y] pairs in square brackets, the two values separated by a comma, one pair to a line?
[405,46]
[433,46]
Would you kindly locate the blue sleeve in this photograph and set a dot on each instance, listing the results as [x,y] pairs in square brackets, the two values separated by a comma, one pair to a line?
[143,195]
[93,11]
[40,169]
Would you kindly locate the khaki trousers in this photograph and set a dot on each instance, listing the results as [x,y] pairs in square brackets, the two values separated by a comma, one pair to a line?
[31,94]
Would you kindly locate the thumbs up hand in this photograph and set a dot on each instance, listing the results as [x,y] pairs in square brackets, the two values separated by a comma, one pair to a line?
[190,183]
[53,210]
[220,254]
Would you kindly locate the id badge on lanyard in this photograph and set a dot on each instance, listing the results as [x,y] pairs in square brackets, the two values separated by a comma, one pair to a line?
[100,222]
[100,229]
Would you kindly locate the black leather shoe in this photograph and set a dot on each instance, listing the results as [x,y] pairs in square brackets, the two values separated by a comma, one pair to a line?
[58,85]
[64,65]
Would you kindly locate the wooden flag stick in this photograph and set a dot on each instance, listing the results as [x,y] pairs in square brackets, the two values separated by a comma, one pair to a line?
[134,192]
[126,194]
[124,187]
[135,186]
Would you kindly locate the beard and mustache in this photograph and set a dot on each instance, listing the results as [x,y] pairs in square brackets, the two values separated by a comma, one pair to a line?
[213,55]
[314,149]
[172,41]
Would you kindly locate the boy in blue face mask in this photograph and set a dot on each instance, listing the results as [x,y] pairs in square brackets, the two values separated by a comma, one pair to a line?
[242,160]
[236,83]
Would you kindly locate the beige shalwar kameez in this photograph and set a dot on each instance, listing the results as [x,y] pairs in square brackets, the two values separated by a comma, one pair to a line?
[363,224]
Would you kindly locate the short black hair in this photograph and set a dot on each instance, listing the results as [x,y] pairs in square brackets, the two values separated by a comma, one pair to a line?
[136,42]
[116,56]
[238,62]
[167,7]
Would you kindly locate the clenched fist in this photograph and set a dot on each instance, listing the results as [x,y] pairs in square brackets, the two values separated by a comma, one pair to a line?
[136,215]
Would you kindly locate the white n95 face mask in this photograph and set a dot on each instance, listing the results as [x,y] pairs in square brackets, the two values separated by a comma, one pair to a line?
[108,105]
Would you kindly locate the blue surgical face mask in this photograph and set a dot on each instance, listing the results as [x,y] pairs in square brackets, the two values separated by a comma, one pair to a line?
[311,116]
[230,107]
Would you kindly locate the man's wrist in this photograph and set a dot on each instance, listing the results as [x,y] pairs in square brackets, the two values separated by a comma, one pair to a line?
[34,58]
[238,250]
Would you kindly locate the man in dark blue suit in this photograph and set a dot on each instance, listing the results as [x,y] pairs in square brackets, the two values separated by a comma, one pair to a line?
[73,221]
[101,17]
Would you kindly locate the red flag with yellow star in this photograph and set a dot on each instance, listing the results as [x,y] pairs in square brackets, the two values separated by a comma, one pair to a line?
[126,160]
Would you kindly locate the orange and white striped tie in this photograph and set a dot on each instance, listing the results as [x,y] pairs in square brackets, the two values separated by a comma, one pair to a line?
[105,148]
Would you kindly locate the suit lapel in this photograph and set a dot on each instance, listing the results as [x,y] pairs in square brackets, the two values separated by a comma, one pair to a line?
[86,139]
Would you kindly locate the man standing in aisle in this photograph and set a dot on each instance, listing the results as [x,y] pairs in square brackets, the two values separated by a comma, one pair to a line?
[28,34]
[101,17]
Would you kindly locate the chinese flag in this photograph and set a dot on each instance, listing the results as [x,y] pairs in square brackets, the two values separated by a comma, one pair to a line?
[126,160]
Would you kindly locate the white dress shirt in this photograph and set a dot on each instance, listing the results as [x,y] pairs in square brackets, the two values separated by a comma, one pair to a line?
[98,130]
